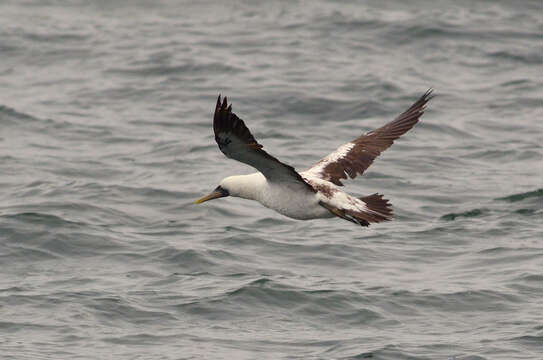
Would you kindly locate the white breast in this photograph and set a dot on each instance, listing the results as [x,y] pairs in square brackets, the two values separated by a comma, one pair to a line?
[290,198]
[293,200]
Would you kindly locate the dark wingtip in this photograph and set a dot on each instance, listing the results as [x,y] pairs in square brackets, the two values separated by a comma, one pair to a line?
[428,95]
[420,105]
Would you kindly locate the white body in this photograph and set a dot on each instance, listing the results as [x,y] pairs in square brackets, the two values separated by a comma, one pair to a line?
[293,199]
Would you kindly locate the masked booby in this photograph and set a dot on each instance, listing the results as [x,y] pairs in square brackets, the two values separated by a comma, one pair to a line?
[314,193]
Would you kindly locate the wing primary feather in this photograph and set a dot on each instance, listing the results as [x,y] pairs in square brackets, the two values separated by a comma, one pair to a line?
[355,157]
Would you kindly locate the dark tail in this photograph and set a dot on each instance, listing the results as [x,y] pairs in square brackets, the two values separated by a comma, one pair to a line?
[381,208]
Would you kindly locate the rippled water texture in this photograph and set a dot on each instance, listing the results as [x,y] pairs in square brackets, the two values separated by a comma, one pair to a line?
[106,141]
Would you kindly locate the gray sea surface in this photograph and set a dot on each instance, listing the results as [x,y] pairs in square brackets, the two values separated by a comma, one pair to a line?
[106,140]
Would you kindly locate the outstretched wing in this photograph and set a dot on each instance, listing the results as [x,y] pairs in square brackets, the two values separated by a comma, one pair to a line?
[356,156]
[236,142]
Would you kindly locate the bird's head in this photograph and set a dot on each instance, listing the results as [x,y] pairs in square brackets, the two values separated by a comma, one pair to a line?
[228,186]
[219,192]
[243,186]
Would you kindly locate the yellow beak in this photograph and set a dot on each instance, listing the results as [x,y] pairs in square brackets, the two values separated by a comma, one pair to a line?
[213,195]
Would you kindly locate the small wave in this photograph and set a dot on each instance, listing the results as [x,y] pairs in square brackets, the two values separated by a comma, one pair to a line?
[535,278]
[405,34]
[42,236]
[189,261]
[27,254]
[58,38]
[319,108]
[143,339]
[496,155]
[8,114]
[185,69]
[522,196]
[11,326]
[265,294]
[68,214]
[526,212]
[495,251]
[115,309]
[338,21]
[465,214]
[460,301]
[41,218]
[323,303]
[517,83]
[394,352]
[527,59]
[535,340]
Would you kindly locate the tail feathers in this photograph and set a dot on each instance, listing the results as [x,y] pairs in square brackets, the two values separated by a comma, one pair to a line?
[378,210]
[381,207]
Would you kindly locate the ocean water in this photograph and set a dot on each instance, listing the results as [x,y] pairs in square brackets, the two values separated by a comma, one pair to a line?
[106,141]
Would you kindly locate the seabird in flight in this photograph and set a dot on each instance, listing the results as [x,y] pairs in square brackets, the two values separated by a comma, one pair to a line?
[316,192]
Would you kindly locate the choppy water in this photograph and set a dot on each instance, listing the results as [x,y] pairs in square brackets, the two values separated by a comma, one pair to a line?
[106,141]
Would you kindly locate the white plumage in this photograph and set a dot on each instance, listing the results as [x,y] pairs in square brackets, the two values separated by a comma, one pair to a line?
[289,199]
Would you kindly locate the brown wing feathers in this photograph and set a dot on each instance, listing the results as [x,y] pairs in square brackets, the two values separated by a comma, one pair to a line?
[355,157]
